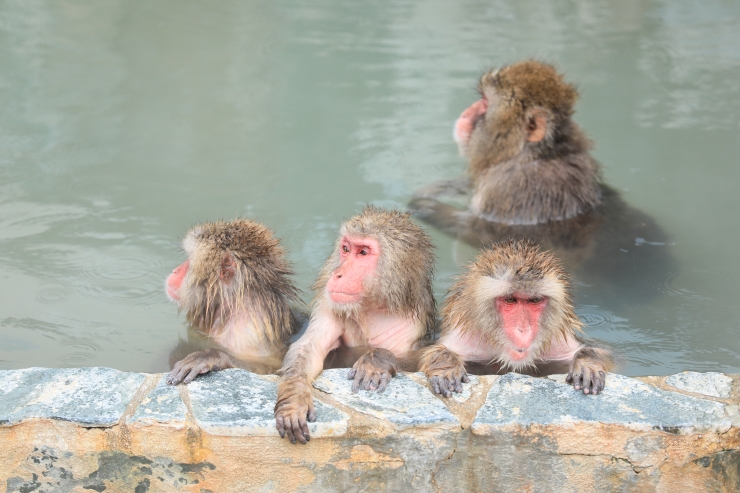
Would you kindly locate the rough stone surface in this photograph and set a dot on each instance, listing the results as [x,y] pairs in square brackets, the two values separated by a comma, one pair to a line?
[522,400]
[88,396]
[163,405]
[217,435]
[712,384]
[236,402]
[404,402]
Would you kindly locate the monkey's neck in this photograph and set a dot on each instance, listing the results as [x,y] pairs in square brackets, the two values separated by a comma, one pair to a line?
[540,184]
[244,334]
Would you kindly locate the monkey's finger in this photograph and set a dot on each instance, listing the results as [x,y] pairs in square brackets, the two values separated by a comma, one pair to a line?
[384,379]
[586,374]
[457,385]
[569,377]
[577,381]
[602,380]
[311,412]
[304,429]
[358,380]
[443,387]
[465,378]
[280,425]
[351,373]
[375,381]
[194,372]
[289,429]
[298,431]
[434,382]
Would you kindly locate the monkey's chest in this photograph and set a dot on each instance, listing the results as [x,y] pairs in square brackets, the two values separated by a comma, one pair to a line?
[394,334]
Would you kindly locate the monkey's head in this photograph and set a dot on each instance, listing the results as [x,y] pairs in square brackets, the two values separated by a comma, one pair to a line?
[228,263]
[516,297]
[524,105]
[381,259]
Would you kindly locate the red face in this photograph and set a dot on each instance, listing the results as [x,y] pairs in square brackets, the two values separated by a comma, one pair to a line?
[521,320]
[174,280]
[359,260]
[468,118]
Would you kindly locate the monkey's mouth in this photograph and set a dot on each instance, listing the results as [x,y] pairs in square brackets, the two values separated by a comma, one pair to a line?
[518,354]
[340,297]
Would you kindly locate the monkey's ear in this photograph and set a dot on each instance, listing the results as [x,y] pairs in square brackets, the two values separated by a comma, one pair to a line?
[535,125]
[228,268]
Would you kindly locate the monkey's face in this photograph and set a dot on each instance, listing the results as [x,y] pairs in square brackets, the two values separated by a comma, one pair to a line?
[174,281]
[520,337]
[353,278]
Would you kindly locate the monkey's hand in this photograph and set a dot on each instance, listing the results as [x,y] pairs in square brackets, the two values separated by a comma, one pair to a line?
[588,370]
[294,407]
[373,370]
[444,369]
[197,363]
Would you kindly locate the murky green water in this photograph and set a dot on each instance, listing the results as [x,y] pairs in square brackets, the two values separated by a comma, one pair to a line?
[123,123]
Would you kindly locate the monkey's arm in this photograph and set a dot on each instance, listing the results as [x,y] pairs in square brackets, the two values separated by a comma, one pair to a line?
[588,363]
[304,361]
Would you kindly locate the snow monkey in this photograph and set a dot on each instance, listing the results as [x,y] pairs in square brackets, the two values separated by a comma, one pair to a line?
[235,289]
[531,175]
[512,307]
[375,291]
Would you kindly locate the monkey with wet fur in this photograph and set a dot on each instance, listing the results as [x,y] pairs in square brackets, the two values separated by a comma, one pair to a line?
[236,291]
[531,175]
[374,291]
[512,307]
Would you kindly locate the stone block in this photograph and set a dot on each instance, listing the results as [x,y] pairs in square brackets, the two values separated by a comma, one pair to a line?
[404,402]
[516,399]
[163,404]
[711,383]
[88,396]
[237,402]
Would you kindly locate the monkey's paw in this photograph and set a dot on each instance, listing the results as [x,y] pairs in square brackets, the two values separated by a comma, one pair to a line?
[294,409]
[587,371]
[444,369]
[197,363]
[373,370]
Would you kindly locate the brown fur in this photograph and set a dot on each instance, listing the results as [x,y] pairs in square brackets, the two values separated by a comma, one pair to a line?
[405,269]
[521,182]
[261,284]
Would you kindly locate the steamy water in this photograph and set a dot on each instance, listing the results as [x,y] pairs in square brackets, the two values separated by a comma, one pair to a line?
[123,123]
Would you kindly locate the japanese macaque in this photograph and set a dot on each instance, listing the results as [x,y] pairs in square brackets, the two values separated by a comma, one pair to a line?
[374,291]
[531,175]
[235,289]
[513,308]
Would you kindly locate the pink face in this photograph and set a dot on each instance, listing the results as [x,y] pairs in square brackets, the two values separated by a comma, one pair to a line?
[174,280]
[521,320]
[359,261]
[467,120]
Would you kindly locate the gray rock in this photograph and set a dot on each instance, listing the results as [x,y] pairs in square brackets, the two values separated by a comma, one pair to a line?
[711,383]
[237,402]
[88,396]
[162,405]
[522,400]
[404,402]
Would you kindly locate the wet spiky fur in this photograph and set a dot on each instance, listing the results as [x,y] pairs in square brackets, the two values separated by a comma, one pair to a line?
[405,268]
[500,271]
[260,290]
[522,182]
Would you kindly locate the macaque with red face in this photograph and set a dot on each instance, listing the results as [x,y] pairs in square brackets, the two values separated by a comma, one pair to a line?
[374,291]
[513,308]
[531,175]
[236,291]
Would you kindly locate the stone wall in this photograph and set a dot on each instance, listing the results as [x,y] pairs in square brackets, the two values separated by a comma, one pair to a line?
[97,429]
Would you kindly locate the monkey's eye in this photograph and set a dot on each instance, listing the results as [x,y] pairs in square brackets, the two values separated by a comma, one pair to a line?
[535,301]
[345,248]
[509,300]
[363,252]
